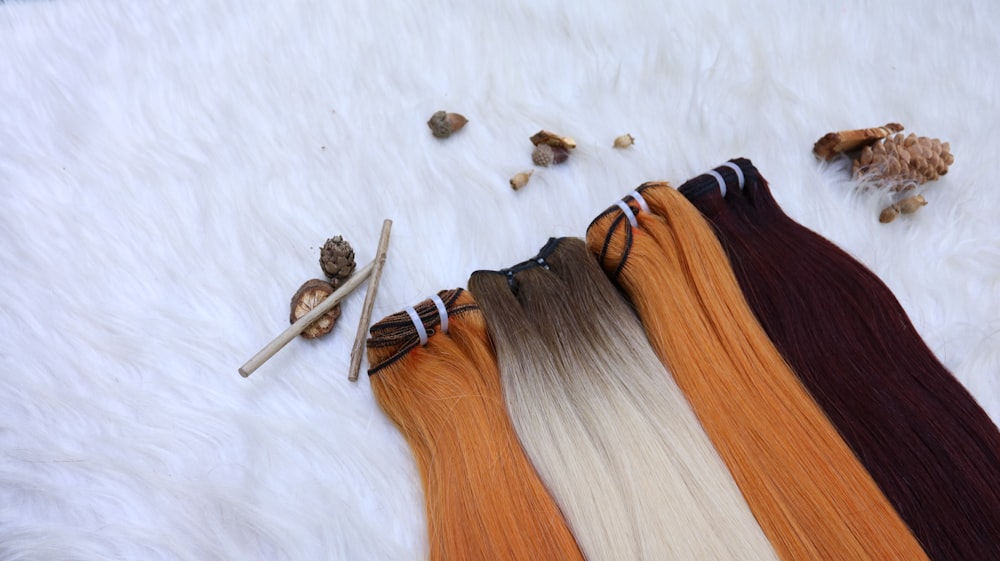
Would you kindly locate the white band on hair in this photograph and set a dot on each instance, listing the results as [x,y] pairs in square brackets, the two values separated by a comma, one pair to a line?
[642,202]
[442,312]
[421,331]
[718,177]
[739,173]
[628,214]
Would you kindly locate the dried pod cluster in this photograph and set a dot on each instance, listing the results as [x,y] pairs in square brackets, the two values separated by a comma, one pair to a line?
[890,161]
[550,148]
[443,124]
[904,161]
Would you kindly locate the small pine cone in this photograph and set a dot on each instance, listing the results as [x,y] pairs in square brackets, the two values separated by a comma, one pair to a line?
[904,161]
[337,259]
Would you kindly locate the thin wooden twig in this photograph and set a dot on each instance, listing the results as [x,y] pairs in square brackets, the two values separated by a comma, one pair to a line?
[366,312]
[296,328]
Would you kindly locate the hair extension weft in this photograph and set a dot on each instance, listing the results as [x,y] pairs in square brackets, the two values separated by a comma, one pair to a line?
[810,494]
[611,435]
[484,500]
[927,443]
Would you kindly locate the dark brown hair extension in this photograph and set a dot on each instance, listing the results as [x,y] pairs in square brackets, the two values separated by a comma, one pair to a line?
[484,499]
[602,420]
[927,443]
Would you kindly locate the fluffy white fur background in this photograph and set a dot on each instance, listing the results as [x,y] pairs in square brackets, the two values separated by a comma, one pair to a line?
[168,171]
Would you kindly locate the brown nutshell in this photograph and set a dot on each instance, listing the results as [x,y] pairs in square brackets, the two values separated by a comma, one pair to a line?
[307,297]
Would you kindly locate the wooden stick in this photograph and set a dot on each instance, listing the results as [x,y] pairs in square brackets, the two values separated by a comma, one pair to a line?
[366,312]
[296,328]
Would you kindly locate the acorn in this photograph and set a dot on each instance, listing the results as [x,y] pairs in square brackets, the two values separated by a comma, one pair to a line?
[624,141]
[443,124]
[520,180]
[307,297]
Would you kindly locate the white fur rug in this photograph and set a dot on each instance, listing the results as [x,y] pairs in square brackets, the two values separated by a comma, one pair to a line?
[168,171]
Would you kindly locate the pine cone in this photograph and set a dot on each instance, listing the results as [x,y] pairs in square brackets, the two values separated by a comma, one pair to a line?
[337,259]
[904,162]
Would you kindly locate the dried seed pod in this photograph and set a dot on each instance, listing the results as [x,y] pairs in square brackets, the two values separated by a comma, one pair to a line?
[888,214]
[307,297]
[443,124]
[336,257]
[542,155]
[520,180]
[552,139]
[545,155]
[912,204]
[624,141]
[835,143]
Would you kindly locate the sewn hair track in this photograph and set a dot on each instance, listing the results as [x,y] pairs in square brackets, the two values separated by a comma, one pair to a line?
[600,418]
[810,494]
[927,443]
[484,499]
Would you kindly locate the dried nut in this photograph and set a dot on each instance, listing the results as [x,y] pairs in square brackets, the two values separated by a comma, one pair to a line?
[888,214]
[308,296]
[846,141]
[552,139]
[443,124]
[912,204]
[624,141]
[520,180]
[336,257]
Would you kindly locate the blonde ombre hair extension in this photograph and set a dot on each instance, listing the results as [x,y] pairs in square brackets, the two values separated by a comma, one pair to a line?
[609,432]
[483,497]
[810,494]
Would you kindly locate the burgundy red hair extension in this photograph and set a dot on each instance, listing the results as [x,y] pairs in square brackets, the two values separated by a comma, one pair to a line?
[927,443]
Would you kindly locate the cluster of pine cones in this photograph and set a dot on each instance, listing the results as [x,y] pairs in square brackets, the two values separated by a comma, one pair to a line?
[890,160]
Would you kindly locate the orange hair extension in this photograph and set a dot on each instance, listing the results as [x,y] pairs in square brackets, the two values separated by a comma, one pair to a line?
[484,499]
[809,493]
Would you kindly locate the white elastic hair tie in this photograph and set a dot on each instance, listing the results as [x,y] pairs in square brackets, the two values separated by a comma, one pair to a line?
[628,214]
[642,202]
[442,312]
[418,324]
[739,173]
[718,177]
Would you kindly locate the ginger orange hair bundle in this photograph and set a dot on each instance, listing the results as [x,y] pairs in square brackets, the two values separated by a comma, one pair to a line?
[927,443]
[600,418]
[484,500]
[812,497]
